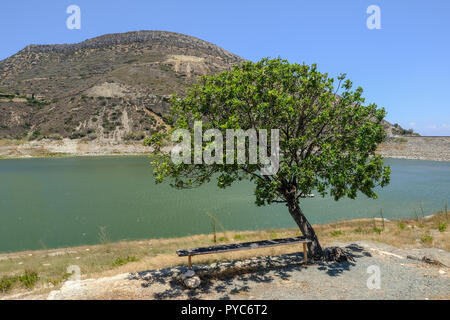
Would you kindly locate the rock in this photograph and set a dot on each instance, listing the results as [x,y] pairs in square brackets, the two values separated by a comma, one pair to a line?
[192,283]
[187,274]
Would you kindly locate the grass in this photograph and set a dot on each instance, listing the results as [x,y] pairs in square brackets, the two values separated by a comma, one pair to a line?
[123,261]
[336,233]
[377,230]
[427,239]
[358,230]
[442,226]
[112,258]
[238,237]
[28,280]
[401,225]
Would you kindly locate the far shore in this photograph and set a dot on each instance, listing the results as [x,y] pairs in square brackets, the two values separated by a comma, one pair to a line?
[412,148]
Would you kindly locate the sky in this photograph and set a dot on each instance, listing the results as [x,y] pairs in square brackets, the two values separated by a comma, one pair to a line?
[403,65]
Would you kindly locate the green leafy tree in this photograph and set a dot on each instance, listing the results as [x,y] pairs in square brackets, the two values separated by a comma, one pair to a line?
[327,136]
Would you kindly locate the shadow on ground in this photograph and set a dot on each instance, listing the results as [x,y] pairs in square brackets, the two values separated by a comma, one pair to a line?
[229,278]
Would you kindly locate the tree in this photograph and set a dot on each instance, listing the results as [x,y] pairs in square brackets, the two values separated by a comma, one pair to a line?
[327,137]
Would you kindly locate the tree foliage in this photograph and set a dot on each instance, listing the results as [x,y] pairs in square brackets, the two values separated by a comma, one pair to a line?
[328,137]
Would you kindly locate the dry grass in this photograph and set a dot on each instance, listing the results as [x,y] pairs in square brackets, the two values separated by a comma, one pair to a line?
[7,142]
[101,260]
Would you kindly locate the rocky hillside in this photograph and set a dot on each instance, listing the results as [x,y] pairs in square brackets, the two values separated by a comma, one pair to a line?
[113,87]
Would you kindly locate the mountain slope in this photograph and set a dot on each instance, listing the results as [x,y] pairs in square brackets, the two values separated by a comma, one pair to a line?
[112,87]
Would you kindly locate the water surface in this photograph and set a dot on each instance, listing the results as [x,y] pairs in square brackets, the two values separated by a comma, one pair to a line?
[49,203]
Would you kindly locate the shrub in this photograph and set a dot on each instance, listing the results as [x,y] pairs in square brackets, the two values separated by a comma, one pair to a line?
[377,230]
[122,261]
[7,283]
[401,225]
[32,102]
[134,136]
[77,135]
[36,134]
[55,136]
[442,226]
[29,279]
[427,239]
[90,137]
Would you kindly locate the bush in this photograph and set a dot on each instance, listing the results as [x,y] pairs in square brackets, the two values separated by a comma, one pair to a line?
[29,279]
[427,239]
[442,226]
[134,136]
[36,134]
[90,137]
[377,230]
[55,136]
[401,225]
[7,283]
[77,135]
[32,102]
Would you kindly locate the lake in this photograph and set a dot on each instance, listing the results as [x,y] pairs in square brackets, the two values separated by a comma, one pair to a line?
[63,202]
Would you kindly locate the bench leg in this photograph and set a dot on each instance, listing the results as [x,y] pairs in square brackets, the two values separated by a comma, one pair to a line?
[305,253]
[189,263]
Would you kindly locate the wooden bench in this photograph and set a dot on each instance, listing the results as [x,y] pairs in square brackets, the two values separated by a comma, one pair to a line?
[244,246]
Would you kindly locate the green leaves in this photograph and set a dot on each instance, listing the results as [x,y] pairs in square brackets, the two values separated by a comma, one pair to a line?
[328,137]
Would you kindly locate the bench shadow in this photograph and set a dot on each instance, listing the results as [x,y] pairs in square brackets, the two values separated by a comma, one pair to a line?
[226,279]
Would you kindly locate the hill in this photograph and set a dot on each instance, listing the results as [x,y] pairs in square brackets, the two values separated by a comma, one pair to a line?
[113,87]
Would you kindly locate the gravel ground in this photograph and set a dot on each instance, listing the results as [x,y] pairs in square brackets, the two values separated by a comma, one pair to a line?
[284,277]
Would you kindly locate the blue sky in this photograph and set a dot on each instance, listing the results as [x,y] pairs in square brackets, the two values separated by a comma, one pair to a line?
[404,66]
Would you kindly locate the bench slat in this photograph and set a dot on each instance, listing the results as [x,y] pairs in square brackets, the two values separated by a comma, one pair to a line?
[241,246]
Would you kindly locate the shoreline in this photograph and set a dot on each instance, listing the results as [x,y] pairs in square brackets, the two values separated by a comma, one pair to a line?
[408,148]
[51,268]
[63,250]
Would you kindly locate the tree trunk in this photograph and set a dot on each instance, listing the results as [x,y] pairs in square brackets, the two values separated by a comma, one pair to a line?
[314,248]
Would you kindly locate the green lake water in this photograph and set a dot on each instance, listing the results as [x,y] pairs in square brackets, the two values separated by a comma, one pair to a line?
[50,203]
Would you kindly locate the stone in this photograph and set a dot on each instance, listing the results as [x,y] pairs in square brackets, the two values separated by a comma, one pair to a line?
[192,283]
[187,274]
